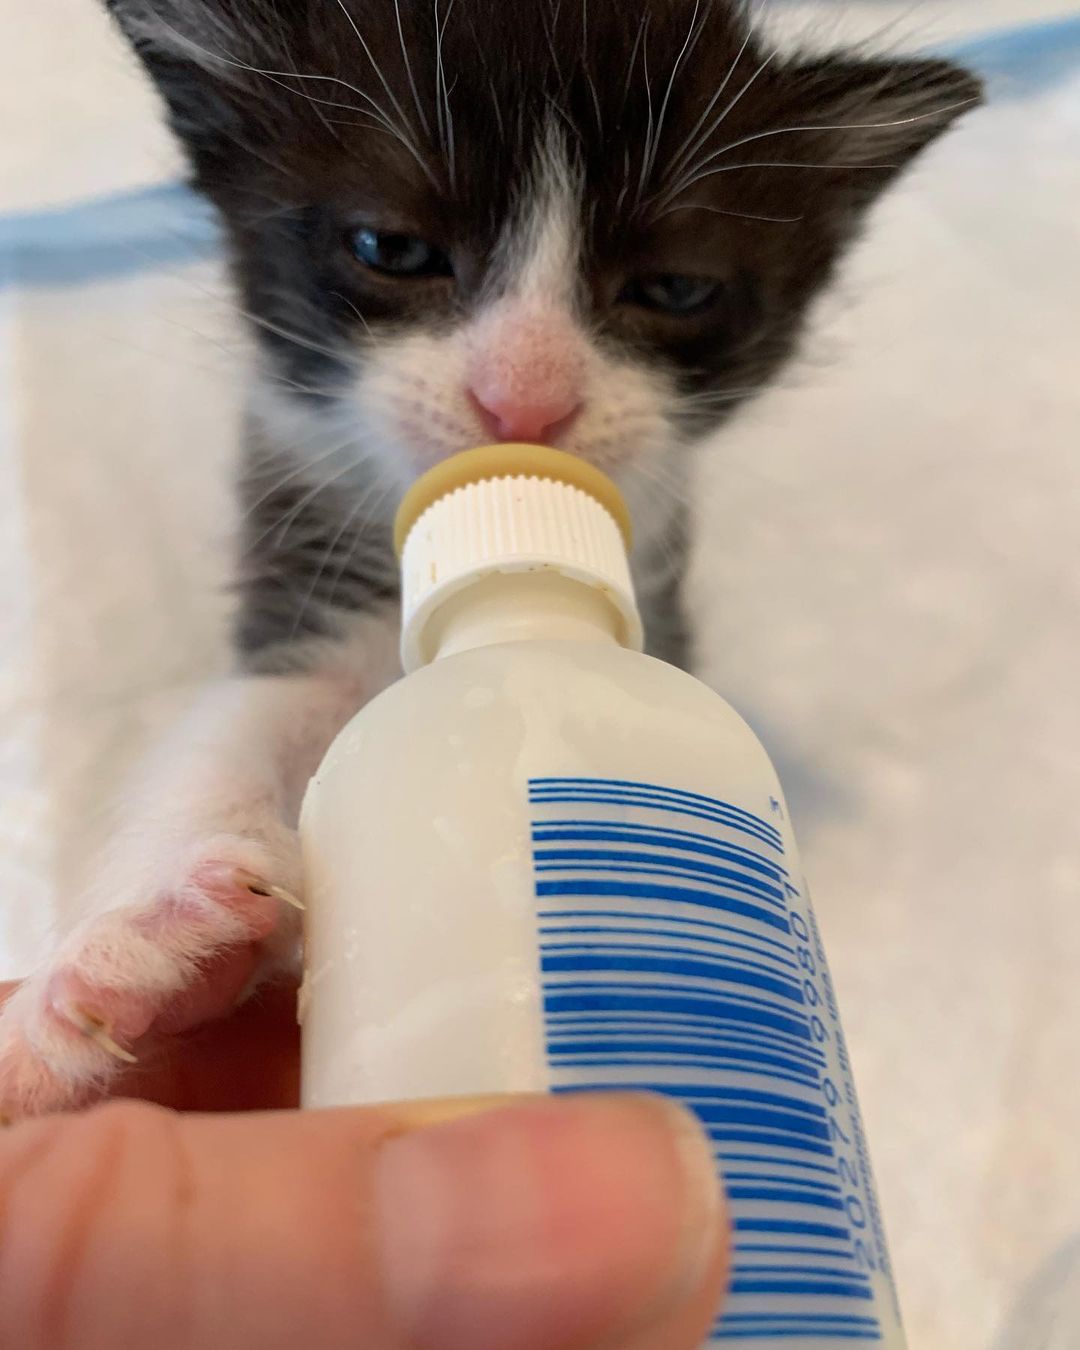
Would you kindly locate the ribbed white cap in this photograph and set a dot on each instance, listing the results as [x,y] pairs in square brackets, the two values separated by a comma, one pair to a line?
[514,523]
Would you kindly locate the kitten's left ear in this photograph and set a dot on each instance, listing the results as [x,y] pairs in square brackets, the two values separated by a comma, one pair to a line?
[876,116]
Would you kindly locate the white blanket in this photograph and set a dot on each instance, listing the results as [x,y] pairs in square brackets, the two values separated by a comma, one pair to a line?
[887,580]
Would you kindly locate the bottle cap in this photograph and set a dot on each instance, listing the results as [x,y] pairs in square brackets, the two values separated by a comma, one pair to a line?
[510,508]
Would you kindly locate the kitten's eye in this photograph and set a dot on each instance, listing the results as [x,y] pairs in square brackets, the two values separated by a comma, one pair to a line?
[398,255]
[671,293]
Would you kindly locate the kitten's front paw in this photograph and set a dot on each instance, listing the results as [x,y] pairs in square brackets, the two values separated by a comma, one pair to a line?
[181,951]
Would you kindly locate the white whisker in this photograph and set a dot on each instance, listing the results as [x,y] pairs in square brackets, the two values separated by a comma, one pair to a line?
[347,524]
[681,184]
[409,70]
[291,335]
[356,312]
[633,58]
[723,211]
[688,148]
[404,121]
[646,150]
[280,524]
[279,77]
[837,127]
[586,66]
[443,116]
[298,469]
[690,42]
[376,507]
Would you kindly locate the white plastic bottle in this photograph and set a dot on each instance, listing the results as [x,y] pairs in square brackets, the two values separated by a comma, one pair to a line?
[545,861]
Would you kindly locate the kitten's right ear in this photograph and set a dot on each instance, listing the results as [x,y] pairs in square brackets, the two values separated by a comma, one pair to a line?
[204,58]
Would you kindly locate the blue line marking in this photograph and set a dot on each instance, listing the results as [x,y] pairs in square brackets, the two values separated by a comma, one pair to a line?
[562,956]
[608,998]
[767,1248]
[540,785]
[750,940]
[679,841]
[589,930]
[687,870]
[699,1091]
[766,1158]
[800,1270]
[786,1195]
[792,1226]
[775,1179]
[639,891]
[826,1288]
[639,799]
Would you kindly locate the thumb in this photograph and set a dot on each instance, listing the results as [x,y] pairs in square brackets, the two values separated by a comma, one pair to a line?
[505,1224]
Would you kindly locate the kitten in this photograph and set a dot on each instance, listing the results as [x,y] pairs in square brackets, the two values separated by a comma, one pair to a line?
[596,225]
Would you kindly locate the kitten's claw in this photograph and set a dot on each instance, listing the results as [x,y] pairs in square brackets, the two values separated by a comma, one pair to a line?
[95,1029]
[257,886]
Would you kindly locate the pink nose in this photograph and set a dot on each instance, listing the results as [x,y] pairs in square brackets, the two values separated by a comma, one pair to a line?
[510,415]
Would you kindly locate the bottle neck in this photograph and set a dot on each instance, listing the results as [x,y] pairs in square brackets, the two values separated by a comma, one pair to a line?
[522,607]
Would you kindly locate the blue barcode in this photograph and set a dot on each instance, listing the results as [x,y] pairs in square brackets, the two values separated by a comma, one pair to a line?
[669,963]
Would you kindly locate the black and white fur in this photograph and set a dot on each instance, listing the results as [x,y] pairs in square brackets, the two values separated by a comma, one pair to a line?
[565,159]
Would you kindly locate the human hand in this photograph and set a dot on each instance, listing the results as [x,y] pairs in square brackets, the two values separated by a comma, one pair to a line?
[227,1221]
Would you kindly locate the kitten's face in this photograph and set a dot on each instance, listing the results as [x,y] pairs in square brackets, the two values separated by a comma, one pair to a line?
[597,225]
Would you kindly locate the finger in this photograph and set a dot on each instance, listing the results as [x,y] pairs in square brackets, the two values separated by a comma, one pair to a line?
[526,1224]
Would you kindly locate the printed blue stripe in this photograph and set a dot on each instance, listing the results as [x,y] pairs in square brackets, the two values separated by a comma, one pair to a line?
[825,1288]
[640,800]
[675,794]
[793,1226]
[672,1047]
[847,1275]
[640,891]
[787,1122]
[610,860]
[701,991]
[774,1179]
[834,1319]
[729,1060]
[730,1037]
[753,1057]
[693,1092]
[751,941]
[552,930]
[786,1249]
[810,1319]
[777,1140]
[724,1031]
[765,1158]
[682,841]
[791,1333]
[581,997]
[731,886]
[563,956]
[725,1028]
[664,799]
